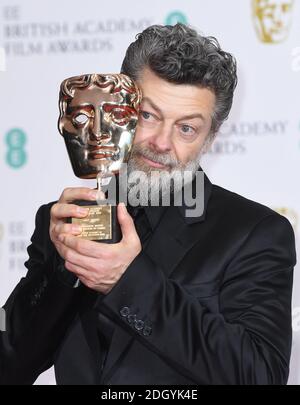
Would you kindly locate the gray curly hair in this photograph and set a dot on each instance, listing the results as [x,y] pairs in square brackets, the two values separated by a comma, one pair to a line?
[180,55]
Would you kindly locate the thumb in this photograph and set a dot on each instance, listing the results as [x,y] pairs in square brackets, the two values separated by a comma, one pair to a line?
[126,222]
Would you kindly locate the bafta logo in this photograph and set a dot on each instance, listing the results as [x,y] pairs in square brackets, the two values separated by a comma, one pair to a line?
[272,19]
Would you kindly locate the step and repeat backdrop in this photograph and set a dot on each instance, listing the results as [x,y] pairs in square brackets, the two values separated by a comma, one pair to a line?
[256,153]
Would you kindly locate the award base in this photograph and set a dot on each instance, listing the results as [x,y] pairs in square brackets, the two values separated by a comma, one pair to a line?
[101,224]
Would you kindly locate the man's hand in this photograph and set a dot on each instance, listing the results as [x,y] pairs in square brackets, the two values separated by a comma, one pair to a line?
[98,265]
[63,210]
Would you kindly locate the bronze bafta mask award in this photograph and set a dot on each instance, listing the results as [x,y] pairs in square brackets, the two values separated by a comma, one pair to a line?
[98,117]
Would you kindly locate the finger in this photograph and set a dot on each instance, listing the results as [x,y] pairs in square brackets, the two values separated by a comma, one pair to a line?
[78,270]
[86,247]
[77,193]
[126,223]
[85,281]
[100,196]
[73,229]
[63,211]
[100,287]
[89,263]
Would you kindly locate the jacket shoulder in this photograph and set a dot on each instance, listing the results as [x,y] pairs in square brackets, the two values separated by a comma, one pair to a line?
[252,226]
[240,210]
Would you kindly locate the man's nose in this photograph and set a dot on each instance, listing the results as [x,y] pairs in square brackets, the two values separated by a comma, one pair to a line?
[161,141]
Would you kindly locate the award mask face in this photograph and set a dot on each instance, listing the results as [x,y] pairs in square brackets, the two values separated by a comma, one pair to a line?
[98,117]
[272,19]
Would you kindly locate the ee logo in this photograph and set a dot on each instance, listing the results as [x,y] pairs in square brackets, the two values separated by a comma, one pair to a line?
[176,17]
[15,140]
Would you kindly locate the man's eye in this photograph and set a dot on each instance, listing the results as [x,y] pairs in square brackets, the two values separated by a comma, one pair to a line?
[145,115]
[187,130]
[80,119]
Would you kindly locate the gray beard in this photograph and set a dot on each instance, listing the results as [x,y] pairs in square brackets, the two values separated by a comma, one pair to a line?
[153,186]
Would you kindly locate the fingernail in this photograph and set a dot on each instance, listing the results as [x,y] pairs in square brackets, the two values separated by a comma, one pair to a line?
[82,211]
[61,238]
[123,207]
[93,194]
[100,195]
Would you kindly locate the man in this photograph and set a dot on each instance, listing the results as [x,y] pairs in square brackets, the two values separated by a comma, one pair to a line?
[180,300]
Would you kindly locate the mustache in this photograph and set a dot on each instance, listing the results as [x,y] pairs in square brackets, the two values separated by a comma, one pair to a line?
[163,158]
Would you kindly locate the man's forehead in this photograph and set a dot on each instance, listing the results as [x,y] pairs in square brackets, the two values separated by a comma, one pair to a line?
[95,95]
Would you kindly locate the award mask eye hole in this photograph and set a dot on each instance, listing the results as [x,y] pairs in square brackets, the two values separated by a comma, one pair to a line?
[119,115]
[80,119]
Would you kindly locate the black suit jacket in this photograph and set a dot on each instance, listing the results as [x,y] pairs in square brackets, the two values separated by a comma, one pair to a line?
[208,301]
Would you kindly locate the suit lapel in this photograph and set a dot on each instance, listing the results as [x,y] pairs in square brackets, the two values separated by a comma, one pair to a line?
[176,235]
[159,249]
[169,244]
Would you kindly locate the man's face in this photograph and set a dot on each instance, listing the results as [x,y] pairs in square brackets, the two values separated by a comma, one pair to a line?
[98,128]
[272,19]
[174,123]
